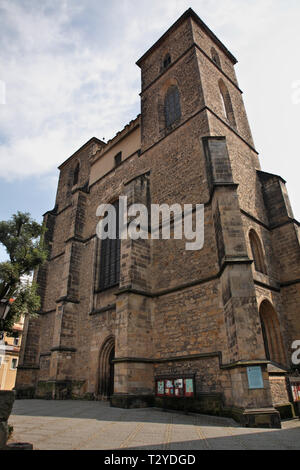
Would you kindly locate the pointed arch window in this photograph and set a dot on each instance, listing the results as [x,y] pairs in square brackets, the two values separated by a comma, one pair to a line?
[110,258]
[167,61]
[118,159]
[76,174]
[226,103]
[257,252]
[172,106]
[271,333]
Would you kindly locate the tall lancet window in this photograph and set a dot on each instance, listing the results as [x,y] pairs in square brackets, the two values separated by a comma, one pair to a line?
[167,61]
[226,103]
[76,174]
[257,252]
[172,106]
[110,258]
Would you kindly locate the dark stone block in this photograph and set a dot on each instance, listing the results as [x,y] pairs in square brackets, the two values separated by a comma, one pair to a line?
[210,404]
[286,411]
[132,401]
[7,399]
[19,446]
[25,393]
[260,419]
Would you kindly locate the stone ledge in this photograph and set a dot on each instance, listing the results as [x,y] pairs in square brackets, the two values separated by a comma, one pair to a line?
[255,418]
[63,349]
[108,308]
[286,411]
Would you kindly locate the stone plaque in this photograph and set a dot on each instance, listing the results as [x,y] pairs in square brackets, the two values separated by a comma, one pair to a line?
[255,378]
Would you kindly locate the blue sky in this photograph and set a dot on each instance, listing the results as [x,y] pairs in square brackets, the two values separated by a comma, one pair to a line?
[69,72]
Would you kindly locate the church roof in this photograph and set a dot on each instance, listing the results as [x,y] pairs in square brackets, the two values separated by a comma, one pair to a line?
[190,14]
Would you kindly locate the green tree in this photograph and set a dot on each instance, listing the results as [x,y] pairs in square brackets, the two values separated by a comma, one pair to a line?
[23,239]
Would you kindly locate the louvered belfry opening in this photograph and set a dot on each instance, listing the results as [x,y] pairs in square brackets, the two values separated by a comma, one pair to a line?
[110,258]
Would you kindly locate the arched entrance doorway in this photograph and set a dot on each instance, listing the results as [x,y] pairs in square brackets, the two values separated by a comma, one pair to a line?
[271,333]
[106,369]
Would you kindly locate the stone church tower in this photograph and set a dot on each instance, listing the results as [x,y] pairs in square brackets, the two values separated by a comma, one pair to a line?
[146,322]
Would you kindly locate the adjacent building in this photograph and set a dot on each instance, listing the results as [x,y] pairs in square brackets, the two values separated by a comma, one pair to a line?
[9,356]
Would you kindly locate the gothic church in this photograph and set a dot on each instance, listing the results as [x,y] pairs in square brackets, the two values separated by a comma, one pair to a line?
[146,322]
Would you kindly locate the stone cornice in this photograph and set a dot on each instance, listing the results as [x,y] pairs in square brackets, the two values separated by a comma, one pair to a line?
[108,308]
[228,262]
[67,299]
[63,349]
[204,108]
[193,357]
[194,45]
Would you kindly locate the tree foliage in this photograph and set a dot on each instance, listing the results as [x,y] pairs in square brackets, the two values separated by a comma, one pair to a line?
[23,239]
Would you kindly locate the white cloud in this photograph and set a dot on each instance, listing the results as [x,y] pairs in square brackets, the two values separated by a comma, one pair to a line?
[57,99]
[70,73]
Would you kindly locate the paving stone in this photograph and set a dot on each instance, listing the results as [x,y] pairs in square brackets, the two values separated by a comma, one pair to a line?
[133,429]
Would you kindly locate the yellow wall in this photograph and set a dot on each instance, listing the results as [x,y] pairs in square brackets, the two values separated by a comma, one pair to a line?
[7,373]
[128,145]
[9,353]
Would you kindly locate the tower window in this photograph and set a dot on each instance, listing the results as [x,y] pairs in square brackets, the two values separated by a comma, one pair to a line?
[110,258]
[118,159]
[257,252]
[76,174]
[226,103]
[167,61]
[172,105]
[215,57]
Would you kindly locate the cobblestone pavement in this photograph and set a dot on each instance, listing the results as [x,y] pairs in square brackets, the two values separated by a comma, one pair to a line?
[80,425]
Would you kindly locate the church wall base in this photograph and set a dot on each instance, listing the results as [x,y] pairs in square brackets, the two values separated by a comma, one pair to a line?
[60,390]
[206,403]
[131,401]
[209,404]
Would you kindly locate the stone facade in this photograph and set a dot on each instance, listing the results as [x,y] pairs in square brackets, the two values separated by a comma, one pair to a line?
[206,314]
